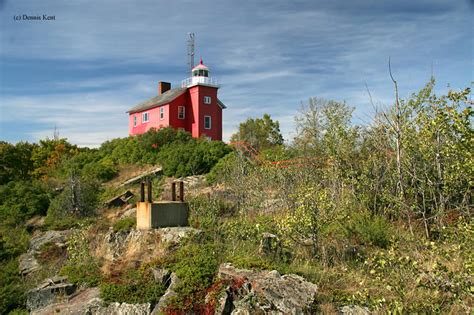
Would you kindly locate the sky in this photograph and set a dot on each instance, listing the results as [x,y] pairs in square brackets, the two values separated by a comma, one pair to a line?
[82,71]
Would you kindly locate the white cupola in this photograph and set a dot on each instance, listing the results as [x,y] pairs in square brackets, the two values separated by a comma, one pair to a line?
[199,75]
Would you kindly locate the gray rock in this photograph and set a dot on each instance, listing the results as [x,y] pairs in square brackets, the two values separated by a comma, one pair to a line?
[124,309]
[161,275]
[28,263]
[267,291]
[223,303]
[353,310]
[169,294]
[50,291]
[56,237]
[129,213]
[176,234]
[270,245]
[117,244]
[84,302]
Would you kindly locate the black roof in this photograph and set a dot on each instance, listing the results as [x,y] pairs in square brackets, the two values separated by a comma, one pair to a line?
[158,100]
[163,99]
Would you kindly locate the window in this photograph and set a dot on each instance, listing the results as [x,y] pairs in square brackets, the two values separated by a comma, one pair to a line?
[207,100]
[181,112]
[162,113]
[134,121]
[145,117]
[207,122]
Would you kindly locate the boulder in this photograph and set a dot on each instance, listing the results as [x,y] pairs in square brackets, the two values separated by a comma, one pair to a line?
[50,291]
[84,302]
[58,238]
[129,213]
[176,234]
[169,294]
[124,309]
[353,310]
[28,263]
[223,303]
[162,276]
[140,244]
[267,291]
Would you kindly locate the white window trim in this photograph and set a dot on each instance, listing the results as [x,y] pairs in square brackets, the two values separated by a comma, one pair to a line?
[147,115]
[207,100]
[210,123]
[179,112]
[162,113]
[135,120]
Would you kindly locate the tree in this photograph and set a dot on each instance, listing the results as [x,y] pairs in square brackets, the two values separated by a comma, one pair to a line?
[324,131]
[261,133]
[15,161]
[49,153]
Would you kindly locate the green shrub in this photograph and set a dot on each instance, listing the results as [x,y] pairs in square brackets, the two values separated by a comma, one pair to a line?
[87,272]
[250,261]
[206,212]
[195,265]
[12,287]
[222,167]
[103,170]
[22,200]
[194,157]
[138,286]
[15,161]
[125,224]
[50,252]
[78,200]
[369,229]
[13,242]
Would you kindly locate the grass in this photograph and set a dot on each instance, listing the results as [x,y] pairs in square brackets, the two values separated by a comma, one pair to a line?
[135,286]
[125,224]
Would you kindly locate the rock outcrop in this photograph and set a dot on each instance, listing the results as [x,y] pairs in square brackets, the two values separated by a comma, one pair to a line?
[84,302]
[28,262]
[88,302]
[50,291]
[160,307]
[353,310]
[264,292]
[139,245]
[124,309]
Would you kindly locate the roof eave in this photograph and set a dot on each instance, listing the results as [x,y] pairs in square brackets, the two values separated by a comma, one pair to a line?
[221,105]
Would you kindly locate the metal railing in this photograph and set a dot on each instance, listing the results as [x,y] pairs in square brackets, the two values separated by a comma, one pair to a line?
[199,80]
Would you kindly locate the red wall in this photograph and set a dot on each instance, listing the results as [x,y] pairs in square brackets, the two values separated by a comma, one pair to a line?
[200,110]
[195,110]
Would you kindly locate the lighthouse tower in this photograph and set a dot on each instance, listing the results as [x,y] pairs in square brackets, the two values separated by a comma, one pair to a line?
[206,108]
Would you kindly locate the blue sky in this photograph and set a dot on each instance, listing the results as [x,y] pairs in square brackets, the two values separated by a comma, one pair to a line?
[84,70]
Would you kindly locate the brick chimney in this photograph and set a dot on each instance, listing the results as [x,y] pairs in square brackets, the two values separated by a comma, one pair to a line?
[163,87]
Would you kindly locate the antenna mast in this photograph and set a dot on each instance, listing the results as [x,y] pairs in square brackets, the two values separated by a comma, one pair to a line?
[191,52]
[55,133]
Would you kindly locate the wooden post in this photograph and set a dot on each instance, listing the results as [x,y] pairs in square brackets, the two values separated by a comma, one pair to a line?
[149,191]
[142,192]
[181,191]
[173,191]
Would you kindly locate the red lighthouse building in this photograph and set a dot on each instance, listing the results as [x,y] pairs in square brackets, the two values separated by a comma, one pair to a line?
[193,107]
